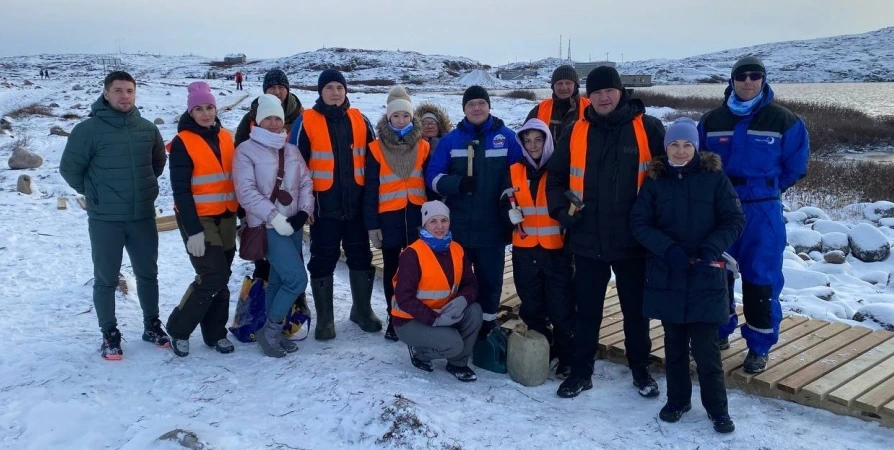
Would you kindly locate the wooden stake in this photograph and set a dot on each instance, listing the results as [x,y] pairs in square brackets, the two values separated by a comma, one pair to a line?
[62,203]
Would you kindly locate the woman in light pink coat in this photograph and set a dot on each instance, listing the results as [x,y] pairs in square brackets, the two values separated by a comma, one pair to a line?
[255,172]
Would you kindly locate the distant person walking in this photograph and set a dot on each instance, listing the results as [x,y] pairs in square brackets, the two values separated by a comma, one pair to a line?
[114,159]
[238,81]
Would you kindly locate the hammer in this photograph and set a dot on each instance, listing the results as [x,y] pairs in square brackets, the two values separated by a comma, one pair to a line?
[576,203]
[510,193]
[471,155]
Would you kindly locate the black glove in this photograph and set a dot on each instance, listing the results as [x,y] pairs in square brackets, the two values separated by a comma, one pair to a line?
[467,185]
[706,256]
[676,257]
[569,222]
[297,221]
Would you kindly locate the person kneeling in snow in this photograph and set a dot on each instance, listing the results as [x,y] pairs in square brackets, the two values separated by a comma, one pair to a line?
[435,312]
[686,215]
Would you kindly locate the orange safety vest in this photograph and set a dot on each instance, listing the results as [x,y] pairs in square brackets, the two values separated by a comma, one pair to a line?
[322,160]
[579,154]
[434,290]
[394,193]
[545,112]
[212,180]
[541,228]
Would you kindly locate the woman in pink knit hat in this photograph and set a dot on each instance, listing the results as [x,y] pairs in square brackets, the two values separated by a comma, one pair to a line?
[201,164]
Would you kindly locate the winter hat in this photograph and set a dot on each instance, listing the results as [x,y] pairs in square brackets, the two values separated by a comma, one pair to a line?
[275,77]
[432,116]
[199,93]
[329,75]
[474,93]
[603,77]
[269,105]
[683,128]
[748,64]
[398,100]
[565,72]
[434,208]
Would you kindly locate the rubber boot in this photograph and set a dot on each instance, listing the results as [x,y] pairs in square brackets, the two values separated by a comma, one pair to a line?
[361,292]
[322,291]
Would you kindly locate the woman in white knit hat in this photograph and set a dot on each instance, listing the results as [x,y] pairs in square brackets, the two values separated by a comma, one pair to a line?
[395,186]
[435,311]
[435,122]
[282,203]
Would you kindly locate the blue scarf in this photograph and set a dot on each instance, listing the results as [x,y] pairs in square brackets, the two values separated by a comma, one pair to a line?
[438,245]
[401,132]
[740,108]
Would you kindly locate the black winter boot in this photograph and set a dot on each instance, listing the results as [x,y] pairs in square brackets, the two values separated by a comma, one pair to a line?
[361,293]
[322,291]
[755,363]
[153,333]
[722,423]
[671,414]
[111,345]
[573,386]
[645,384]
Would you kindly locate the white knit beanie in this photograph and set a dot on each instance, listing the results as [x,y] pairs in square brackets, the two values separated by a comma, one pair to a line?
[434,208]
[269,105]
[398,100]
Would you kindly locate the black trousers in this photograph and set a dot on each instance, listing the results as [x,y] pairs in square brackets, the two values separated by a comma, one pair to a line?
[543,283]
[591,277]
[328,237]
[206,302]
[390,259]
[706,351]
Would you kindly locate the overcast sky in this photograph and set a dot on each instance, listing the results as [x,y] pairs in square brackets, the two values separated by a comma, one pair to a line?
[493,32]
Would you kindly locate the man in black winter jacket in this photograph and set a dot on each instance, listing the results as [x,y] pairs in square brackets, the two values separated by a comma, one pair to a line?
[602,160]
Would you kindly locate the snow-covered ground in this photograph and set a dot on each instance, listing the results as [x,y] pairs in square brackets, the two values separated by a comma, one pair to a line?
[358,391]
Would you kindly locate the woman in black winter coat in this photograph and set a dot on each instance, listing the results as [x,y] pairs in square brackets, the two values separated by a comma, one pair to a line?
[687,214]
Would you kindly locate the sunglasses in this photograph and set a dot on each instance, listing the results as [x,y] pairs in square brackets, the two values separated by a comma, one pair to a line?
[754,76]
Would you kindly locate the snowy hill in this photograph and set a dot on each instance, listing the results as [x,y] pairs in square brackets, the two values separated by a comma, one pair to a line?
[867,57]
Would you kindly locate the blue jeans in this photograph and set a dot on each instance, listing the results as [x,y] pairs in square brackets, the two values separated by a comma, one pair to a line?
[288,279]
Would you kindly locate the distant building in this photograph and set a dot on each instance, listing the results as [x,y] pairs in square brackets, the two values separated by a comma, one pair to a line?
[628,80]
[512,75]
[235,58]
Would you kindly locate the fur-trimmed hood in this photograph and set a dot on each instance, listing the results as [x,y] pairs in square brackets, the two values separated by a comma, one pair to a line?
[443,118]
[707,162]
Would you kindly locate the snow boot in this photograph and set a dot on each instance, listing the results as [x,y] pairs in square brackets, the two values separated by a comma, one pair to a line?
[361,293]
[462,373]
[322,291]
[724,343]
[418,363]
[180,347]
[573,386]
[646,385]
[222,346]
[722,423]
[755,363]
[671,414]
[288,345]
[390,334]
[111,345]
[153,333]
[270,339]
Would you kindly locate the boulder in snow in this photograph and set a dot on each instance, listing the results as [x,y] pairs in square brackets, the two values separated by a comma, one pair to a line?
[185,439]
[822,292]
[6,123]
[880,313]
[177,118]
[878,210]
[77,87]
[877,277]
[22,158]
[794,217]
[886,222]
[158,121]
[833,268]
[835,257]
[54,105]
[58,131]
[804,240]
[28,82]
[804,257]
[792,260]
[816,255]
[813,214]
[23,184]
[836,241]
[829,226]
[868,244]
[803,279]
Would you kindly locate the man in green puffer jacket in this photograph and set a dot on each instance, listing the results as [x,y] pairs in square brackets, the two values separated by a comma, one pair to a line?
[114,158]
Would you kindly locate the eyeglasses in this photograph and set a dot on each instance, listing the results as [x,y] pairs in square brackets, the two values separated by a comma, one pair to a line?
[754,76]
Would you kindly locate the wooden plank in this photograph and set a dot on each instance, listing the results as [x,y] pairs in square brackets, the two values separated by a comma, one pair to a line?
[889,409]
[865,382]
[165,223]
[655,333]
[611,301]
[795,382]
[606,343]
[611,310]
[770,377]
[821,388]
[510,324]
[741,347]
[876,399]
[62,203]
[817,331]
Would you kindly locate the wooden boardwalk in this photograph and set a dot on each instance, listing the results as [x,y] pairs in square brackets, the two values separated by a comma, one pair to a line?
[833,366]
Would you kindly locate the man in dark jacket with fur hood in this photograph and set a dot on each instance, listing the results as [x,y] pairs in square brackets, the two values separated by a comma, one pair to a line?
[602,160]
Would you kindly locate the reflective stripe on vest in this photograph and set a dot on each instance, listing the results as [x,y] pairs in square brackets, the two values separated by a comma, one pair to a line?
[579,154]
[394,193]
[541,228]
[322,159]
[212,180]
[434,290]
[545,111]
